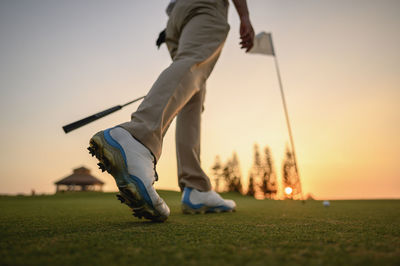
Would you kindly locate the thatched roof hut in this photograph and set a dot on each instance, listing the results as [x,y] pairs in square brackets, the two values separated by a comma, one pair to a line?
[80,180]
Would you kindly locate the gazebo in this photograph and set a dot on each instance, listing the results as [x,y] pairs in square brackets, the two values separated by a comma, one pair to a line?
[80,180]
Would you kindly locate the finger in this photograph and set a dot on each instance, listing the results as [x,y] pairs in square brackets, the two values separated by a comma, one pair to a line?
[246,40]
[249,47]
[245,46]
[245,36]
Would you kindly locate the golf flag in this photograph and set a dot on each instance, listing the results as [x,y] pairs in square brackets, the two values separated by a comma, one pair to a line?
[263,44]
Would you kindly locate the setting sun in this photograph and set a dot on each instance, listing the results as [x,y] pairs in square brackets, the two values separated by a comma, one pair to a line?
[288,190]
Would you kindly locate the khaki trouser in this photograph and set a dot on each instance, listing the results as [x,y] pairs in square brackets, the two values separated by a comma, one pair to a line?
[195,34]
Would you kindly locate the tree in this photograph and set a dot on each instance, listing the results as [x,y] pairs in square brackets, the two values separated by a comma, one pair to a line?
[231,174]
[251,189]
[290,178]
[217,173]
[256,171]
[268,184]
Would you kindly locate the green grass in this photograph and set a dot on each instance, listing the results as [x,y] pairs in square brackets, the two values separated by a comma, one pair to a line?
[94,229]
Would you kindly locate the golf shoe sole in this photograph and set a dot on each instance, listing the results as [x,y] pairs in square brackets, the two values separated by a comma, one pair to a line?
[132,190]
[186,209]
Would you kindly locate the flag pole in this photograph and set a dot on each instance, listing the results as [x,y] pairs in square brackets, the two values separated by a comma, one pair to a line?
[287,119]
[263,44]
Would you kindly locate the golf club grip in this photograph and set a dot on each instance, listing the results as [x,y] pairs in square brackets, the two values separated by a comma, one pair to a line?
[90,119]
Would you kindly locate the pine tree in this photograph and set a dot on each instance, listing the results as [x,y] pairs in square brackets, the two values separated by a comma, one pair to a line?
[236,174]
[290,178]
[217,173]
[232,175]
[251,189]
[227,176]
[256,170]
[268,184]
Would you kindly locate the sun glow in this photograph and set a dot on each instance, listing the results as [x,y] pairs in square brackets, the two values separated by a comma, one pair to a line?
[288,190]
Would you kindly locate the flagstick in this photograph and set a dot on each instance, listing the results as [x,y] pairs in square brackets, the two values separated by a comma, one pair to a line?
[288,122]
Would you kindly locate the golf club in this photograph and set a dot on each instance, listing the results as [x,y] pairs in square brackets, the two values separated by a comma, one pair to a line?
[90,119]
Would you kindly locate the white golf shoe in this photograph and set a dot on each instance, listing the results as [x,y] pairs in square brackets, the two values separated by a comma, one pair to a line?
[195,201]
[132,166]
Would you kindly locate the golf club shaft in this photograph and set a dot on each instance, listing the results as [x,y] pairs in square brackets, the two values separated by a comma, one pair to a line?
[89,119]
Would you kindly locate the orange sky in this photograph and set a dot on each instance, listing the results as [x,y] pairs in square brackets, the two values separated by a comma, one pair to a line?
[339,61]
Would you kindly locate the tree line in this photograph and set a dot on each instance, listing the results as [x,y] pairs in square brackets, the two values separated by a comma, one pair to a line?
[262,177]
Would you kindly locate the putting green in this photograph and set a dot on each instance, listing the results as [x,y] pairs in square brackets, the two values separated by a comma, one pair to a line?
[94,229]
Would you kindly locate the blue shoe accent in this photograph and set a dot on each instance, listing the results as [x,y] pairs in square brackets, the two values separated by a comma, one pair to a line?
[131,178]
[186,199]
[113,143]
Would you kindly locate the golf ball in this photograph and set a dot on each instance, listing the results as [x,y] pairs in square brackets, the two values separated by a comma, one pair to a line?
[326,203]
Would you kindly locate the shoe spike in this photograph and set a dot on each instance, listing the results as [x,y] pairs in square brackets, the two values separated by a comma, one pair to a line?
[91,151]
[101,167]
[120,198]
[93,144]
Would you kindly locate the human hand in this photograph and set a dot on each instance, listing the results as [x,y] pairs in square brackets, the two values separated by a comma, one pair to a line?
[246,34]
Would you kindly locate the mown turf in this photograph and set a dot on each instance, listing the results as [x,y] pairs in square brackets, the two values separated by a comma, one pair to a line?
[94,229]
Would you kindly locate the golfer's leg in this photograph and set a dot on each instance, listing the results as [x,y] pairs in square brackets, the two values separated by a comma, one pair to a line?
[200,44]
[188,123]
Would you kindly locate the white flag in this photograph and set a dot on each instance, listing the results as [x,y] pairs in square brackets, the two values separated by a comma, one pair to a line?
[263,44]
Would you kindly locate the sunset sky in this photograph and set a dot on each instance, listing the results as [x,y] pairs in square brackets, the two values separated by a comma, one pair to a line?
[340,62]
